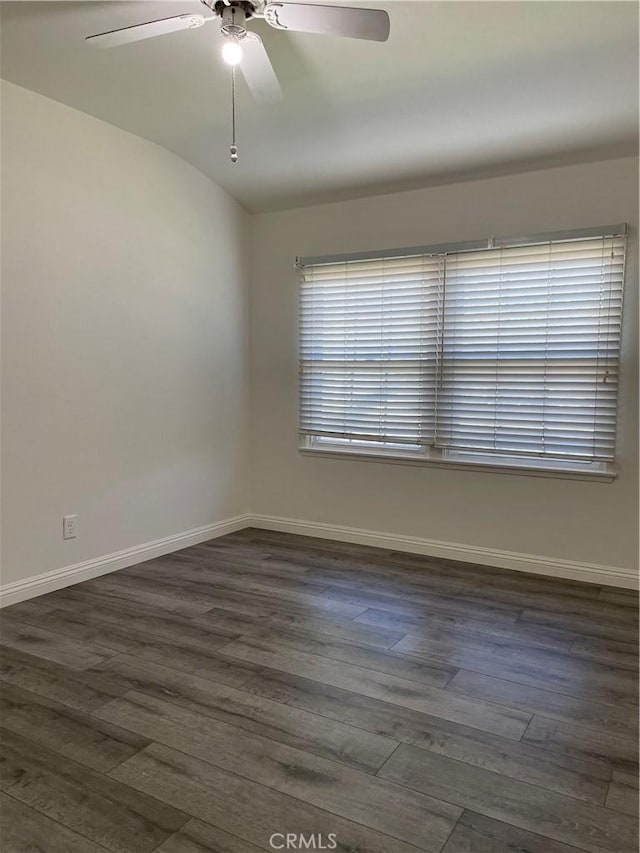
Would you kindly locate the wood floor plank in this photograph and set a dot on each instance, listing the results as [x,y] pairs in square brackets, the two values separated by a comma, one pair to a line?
[104,586]
[461,651]
[475,833]
[324,554]
[351,707]
[32,607]
[295,727]
[479,575]
[81,600]
[260,581]
[438,587]
[211,665]
[247,551]
[630,779]
[25,830]
[305,550]
[119,638]
[247,562]
[610,629]
[391,581]
[540,668]
[457,630]
[236,596]
[249,576]
[199,837]
[80,689]
[356,796]
[86,626]
[444,605]
[240,807]
[402,584]
[78,736]
[397,691]
[611,749]
[546,703]
[583,779]
[623,793]
[623,655]
[236,546]
[332,625]
[562,819]
[235,575]
[436,673]
[580,608]
[20,635]
[95,806]
[142,622]
[622,597]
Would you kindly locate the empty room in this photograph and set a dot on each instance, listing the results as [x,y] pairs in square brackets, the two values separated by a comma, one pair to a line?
[319,426]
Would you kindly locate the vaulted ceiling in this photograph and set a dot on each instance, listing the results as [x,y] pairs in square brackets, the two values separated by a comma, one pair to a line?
[461,89]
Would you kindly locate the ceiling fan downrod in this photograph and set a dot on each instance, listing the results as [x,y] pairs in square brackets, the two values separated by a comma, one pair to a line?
[233,149]
[233,15]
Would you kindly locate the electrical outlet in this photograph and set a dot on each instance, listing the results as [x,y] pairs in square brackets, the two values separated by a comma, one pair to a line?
[69,526]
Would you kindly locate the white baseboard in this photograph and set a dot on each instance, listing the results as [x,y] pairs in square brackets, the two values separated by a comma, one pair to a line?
[12,593]
[568,569]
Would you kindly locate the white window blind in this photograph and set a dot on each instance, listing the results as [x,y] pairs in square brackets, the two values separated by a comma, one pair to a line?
[368,349]
[509,351]
[531,349]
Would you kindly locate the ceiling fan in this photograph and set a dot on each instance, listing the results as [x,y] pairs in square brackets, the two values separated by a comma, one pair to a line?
[243,48]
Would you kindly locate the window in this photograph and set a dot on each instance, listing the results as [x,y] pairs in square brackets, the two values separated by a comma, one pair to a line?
[502,355]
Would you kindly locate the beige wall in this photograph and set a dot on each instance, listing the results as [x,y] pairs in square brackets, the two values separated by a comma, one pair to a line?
[125,354]
[580,521]
[124,369]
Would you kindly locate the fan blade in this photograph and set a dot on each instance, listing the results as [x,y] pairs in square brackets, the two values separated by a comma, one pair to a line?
[114,38]
[371,24]
[258,72]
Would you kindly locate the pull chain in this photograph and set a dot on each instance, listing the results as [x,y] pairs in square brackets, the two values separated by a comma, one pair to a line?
[234,147]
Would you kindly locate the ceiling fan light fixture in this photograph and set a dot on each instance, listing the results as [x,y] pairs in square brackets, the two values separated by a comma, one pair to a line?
[232,51]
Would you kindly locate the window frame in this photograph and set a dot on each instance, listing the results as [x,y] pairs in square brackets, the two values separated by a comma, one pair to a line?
[316,445]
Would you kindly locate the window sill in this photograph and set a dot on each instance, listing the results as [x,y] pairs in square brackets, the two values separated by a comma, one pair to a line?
[487,467]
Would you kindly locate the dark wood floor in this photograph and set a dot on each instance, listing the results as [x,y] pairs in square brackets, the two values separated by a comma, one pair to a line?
[264,683]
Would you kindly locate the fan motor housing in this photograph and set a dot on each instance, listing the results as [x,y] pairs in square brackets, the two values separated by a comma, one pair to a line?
[225,8]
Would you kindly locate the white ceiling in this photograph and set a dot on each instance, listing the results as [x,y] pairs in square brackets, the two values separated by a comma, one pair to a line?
[461,89]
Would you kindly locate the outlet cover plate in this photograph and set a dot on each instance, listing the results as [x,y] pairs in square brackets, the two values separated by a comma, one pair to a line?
[69,526]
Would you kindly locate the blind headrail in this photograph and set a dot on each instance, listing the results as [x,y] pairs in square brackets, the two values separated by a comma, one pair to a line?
[491,242]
